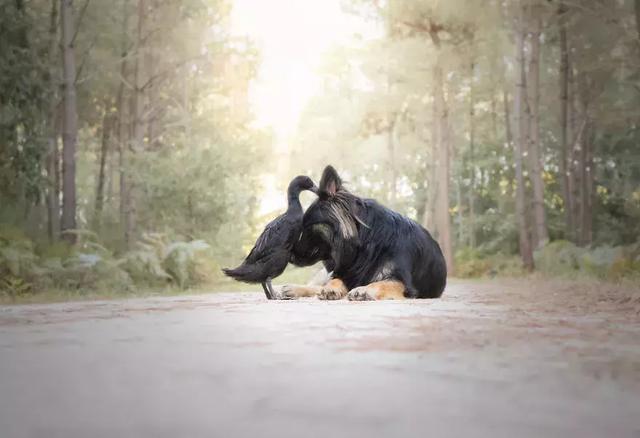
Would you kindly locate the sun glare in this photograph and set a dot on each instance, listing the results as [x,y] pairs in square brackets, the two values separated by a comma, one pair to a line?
[293,36]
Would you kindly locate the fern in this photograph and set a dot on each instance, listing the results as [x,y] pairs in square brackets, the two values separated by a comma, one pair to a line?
[180,260]
[14,287]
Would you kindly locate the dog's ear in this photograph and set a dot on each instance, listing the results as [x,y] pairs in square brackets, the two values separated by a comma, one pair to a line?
[330,182]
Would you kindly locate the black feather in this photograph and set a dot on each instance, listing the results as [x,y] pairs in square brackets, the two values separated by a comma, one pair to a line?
[272,251]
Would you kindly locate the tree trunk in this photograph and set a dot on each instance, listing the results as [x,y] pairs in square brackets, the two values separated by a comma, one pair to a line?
[520,141]
[494,116]
[391,117]
[509,138]
[104,156]
[442,218]
[585,163]
[637,11]
[582,209]
[460,217]
[122,177]
[150,95]
[52,159]
[121,129]
[393,173]
[69,123]
[53,175]
[564,122]
[541,234]
[577,126]
[432,183]
[137,131]
[472,162]
[587,210]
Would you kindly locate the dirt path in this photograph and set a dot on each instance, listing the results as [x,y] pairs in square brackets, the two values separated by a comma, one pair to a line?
[498,359]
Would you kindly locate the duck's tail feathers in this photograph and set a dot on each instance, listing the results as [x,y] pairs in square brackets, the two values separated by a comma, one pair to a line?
[246,273]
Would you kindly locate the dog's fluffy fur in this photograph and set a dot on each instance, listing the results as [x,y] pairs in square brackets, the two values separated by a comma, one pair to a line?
[363,242]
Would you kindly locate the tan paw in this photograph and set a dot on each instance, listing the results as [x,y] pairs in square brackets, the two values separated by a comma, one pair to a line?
[286,292]
[362,293]
[333,290]
[328,293]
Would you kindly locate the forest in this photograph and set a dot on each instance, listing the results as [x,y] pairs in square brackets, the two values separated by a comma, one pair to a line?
[132,153]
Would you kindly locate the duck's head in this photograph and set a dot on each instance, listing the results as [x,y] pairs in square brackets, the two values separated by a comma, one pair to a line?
[300,183]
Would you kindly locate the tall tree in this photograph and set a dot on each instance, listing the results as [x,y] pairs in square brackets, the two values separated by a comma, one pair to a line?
[472,146]
[443,163]
[637,13]
[105,145]
[69,121]
[137,128]
[53,159]
[540,234]
[564,119]
[521,139]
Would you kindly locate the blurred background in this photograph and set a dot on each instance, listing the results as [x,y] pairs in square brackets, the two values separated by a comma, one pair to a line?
[144,143]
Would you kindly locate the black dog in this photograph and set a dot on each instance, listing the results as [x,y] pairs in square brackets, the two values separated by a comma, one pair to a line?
[373,252]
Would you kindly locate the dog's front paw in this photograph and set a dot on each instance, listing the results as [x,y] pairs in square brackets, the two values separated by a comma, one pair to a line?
[333,290]
[362,293]
[286,292]
[329,294]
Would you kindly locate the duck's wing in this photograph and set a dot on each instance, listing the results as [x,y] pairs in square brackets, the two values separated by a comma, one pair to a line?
[273,237]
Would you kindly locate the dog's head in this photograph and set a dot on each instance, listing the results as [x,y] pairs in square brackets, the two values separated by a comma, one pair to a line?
[331,223]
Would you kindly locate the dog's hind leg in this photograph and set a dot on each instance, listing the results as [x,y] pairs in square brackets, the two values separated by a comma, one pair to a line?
[378,290]
[406,279]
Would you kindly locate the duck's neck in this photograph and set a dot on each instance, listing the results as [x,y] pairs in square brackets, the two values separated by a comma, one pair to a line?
[293,199]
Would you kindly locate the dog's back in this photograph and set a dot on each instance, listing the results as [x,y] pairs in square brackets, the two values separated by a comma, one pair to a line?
[392,246]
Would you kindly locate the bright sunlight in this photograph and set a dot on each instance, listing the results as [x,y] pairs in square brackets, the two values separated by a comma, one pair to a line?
[293,36]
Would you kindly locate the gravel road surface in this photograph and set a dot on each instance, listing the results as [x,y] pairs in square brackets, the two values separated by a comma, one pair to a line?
[502,358]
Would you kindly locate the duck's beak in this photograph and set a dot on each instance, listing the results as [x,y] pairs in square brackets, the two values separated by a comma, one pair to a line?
[315,189]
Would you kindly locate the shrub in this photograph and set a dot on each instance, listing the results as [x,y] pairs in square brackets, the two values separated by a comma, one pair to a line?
[558,258]
[94,271]
[612,263]
[469,263]
[157,262]
[505,265]
[472,263]
[181,261]
[145,265]
[598,261]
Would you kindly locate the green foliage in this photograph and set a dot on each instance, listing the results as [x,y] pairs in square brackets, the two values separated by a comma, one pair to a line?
[612,263]
[562,258]
[180,261]
[90,267]
[558,258]
[156,262]
[470,263]
[473,263]
[506,265]
[91,271]
[14,287]
[17,259]
[145,263]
